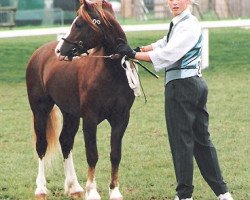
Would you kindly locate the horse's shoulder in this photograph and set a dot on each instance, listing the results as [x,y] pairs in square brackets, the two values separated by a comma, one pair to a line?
[51,44]
[45,48]
[41,54]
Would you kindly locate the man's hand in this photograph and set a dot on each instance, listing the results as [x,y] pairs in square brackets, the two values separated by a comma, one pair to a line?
[124,49]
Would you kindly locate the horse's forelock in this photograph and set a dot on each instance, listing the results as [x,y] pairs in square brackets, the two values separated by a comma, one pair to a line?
[82,12]
[100,8]
[104,11]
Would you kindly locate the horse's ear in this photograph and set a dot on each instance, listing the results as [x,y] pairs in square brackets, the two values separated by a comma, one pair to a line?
[85,3]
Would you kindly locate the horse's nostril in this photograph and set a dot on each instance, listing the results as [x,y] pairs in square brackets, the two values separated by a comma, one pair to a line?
[74,50]
[58,51]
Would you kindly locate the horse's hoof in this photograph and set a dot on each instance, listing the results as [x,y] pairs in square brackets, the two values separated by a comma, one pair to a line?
[119,198]
[76,195]
[115,194]
[41,197]
[75,191]
[92,194]
[41,193]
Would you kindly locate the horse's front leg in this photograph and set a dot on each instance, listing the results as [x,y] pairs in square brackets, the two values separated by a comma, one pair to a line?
[114,192]
[89,130]
[119,125]
[69,130]
[91,188]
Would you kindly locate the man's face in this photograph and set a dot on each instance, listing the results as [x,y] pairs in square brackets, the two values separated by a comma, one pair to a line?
[178,6]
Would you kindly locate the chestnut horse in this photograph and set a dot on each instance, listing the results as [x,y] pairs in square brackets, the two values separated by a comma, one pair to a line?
[93,88]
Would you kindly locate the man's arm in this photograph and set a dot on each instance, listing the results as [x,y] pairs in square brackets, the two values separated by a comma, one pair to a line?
[143,56]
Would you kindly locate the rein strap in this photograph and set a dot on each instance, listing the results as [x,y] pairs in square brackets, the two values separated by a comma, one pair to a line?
[112,56]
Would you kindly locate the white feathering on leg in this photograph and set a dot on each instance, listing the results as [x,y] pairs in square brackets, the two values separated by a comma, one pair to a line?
[71,184]
[114,194]
[41,189]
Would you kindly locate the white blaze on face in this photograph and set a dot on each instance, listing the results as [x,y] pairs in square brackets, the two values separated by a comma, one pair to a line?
[94,1]
[58,47]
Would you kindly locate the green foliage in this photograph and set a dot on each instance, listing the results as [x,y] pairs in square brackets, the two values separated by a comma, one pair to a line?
[15,53]
[146,170]
[30,4]
[4,3]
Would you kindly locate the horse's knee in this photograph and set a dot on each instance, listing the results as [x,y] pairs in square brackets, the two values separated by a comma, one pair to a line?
[115,157]
[91,151]
[92,159]
[116,146]
[115,160]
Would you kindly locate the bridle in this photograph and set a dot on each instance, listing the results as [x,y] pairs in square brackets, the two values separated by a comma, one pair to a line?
[84,52]
[78,46]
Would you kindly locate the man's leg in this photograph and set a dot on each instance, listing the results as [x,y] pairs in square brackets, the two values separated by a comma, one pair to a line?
[180,97]
[204,150]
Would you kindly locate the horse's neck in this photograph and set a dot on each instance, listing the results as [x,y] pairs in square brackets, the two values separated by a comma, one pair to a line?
[102,50]
[111,66]
[97,51]
[108,47]
[111,36]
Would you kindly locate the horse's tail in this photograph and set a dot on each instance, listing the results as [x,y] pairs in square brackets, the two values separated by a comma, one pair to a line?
[54,124]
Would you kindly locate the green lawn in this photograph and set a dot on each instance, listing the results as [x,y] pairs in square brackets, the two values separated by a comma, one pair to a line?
[146,170]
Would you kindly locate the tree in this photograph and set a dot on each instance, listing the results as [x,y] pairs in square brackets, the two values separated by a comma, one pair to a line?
[126,8]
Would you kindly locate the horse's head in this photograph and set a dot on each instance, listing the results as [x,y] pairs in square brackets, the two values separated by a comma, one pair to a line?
[94,26]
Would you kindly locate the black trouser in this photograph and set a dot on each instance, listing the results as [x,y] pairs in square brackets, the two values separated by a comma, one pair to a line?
[187,124]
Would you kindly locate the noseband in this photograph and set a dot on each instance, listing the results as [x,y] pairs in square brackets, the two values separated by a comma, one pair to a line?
[78,47]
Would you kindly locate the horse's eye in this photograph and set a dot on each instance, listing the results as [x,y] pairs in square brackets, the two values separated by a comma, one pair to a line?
[78,24]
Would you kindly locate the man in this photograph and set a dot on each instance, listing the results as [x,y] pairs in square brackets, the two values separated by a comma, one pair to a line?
[179,54]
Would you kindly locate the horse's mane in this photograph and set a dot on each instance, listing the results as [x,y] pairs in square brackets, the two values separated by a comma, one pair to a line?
[100,8]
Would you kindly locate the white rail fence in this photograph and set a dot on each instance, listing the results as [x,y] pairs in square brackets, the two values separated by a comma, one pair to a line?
[134,28]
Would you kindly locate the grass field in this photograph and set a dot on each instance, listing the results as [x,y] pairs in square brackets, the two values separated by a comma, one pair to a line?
[146,170]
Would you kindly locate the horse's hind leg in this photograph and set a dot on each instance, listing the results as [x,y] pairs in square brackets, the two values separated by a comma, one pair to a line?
[119,124]
[89,130]
[69,130]
[41,115]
